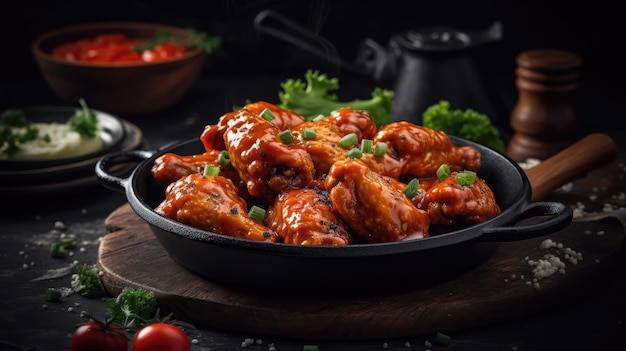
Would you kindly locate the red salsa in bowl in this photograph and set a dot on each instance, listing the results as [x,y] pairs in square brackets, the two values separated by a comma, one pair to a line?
[118,47]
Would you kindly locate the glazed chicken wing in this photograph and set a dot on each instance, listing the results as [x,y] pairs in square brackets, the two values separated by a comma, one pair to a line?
[422,150]
[283,118]
[170,167]
[304,216]
[451,205]
[212,136]
[374,209]
[353,121]
[263,161]
[212,204]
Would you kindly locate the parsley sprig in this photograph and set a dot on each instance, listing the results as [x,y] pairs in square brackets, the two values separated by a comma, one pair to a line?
[15,129]
[190,38]
[84,121]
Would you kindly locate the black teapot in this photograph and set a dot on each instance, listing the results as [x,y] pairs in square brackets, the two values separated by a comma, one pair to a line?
[430,64]
[423,65]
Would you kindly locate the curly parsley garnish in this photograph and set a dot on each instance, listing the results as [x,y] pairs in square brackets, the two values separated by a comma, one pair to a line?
[84,121]
[191,38]
[15,129]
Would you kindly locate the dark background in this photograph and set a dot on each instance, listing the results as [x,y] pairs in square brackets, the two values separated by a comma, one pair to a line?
[249,62]
[590,29]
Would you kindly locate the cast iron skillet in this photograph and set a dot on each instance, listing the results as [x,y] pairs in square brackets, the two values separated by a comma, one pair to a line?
[258,266]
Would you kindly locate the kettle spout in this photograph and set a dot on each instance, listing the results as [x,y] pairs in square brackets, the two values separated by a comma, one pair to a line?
[492,34]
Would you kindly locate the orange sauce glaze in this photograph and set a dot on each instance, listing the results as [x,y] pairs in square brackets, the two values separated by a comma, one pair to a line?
[115,48]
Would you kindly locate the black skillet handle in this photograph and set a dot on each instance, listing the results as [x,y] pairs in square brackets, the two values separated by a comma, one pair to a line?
[106,165]
[557,216]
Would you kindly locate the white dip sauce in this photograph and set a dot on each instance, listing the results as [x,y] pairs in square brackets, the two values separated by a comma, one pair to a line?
[62,143]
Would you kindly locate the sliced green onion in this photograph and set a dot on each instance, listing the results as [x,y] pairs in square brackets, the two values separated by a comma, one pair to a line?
[286,136]
[465,178]
[267,114]
[66,243]
[348,140]
[211,170]
[367,146]
[308,133]
[223,158]
[53,295]
[256,213]
[318,117]
[411,188]
[55,249]
[380,149]
[443,171]
[443,339]
[355,153]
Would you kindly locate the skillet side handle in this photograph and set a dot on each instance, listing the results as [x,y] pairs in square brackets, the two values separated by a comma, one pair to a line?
[105,165]
[559,216]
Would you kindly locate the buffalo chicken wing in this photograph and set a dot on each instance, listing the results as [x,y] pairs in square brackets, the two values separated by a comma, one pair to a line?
[305,216]
[170,167]
[212,204]
[262,159]
[451,205]
[371,206]
[422,150]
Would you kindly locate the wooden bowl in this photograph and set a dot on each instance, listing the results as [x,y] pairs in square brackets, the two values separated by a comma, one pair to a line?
[125,89]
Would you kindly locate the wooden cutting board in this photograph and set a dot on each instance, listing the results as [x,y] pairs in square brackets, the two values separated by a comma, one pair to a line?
[495,291]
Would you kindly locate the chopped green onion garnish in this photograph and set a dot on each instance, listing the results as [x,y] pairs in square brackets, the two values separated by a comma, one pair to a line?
[308,133]
[211,170]
[348,140]
[256,213]
[286,136]
[223,158]
[66,243]
[380,149]
[318,117]
[367,146]
[355,153]
[267,114]
[55,249]
[443,171]
[443,339]
[53,295]
[411,188]
[465,178]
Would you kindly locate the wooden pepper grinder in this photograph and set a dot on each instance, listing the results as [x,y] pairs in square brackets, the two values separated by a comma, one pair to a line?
[544,119]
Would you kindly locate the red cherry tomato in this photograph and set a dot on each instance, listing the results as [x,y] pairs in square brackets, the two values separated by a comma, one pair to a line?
[161,337]
[92,336]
